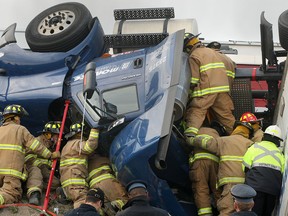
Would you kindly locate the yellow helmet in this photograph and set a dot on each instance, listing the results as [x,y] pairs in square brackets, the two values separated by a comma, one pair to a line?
[190,40]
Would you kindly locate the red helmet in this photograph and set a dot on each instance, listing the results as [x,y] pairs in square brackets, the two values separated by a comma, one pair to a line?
[249,117]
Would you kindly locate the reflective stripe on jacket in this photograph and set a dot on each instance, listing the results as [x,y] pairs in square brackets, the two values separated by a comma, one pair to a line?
[73,162]
[208,72]
[205,211]
[36,160]
[14,139]
[203,155]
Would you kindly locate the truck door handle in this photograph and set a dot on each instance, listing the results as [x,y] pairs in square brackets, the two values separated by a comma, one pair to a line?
[138,63]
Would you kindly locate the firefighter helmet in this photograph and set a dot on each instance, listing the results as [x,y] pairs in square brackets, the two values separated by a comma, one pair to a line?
[249,117]
[190,40]
[274,131]
[214,45]
[14,110]
[52,127]
[74,129]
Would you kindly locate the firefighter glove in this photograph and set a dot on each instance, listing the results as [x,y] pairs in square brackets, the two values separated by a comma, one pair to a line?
[190,140]
[55,155]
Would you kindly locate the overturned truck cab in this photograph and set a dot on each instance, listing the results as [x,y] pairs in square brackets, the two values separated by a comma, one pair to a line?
[150,88]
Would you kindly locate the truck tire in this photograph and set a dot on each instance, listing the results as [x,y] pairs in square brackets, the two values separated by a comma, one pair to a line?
[283,29]
[58,28]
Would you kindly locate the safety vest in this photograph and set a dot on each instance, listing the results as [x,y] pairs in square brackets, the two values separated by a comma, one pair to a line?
[264,154]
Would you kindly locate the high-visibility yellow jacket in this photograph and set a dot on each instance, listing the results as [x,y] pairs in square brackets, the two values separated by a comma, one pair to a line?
[14,139]
[264,166]
[230,150]
[73,162]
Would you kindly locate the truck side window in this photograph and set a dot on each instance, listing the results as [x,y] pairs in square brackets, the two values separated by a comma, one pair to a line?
[125,98]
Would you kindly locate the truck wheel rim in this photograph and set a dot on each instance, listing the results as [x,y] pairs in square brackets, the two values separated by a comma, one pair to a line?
[56,22]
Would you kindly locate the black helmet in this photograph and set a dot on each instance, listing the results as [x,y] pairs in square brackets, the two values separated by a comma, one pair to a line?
[74,129]
[14,110]
[52,127]
[189,42]
[214,45]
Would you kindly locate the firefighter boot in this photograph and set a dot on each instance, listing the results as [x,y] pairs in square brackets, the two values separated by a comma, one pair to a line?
[35,198]
[61,196]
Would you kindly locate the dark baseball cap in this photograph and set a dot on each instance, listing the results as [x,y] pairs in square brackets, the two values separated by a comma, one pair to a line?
[97,193]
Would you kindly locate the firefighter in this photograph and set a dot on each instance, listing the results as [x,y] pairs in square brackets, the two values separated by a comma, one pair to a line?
[256,124]
[230,150]
[74,164]
[209,87]
[203,175]
[263,164]
[14,138]
[39,168]
[102,176]
[230,65]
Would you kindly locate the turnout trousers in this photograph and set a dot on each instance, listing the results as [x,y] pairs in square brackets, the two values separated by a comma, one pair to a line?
[10,189]
[225,204]
[102,176]
[221,105]
[35,180]
[203,175]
